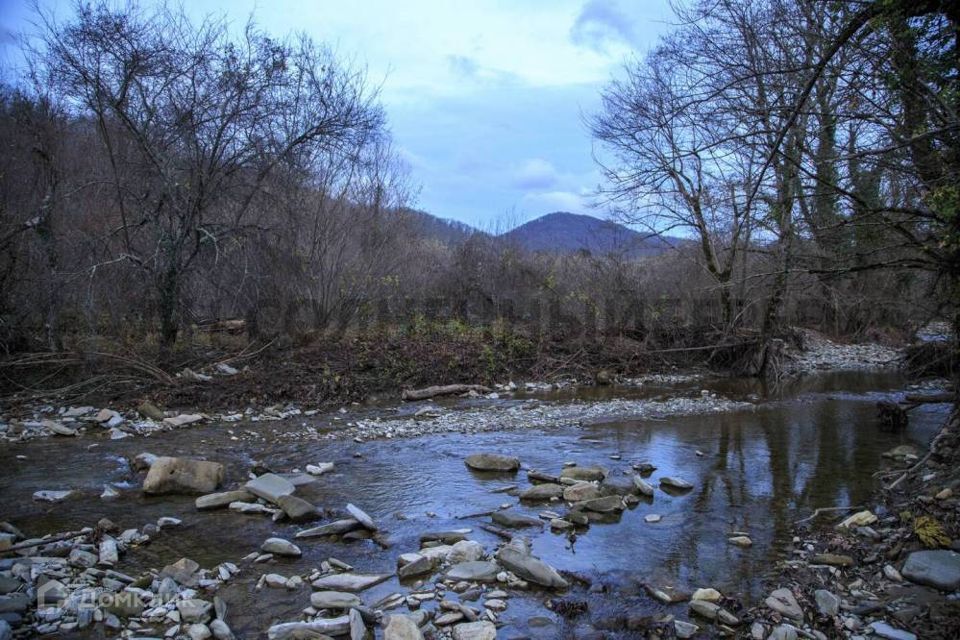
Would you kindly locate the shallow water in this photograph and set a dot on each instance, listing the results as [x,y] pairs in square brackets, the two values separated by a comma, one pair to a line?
[811,444]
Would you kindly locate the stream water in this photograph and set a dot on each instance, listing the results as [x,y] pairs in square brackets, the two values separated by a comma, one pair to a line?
[814,443]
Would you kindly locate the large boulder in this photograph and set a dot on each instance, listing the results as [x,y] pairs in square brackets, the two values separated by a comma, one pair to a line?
[401,627]
[492,462]
[542,493]
[474,571]
[516,557]
[939,569]
[182,475]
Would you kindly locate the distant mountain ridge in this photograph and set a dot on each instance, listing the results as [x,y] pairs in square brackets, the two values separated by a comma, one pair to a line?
[563,232]
[559,232]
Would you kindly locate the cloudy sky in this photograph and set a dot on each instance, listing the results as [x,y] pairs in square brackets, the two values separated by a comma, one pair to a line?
[485,98]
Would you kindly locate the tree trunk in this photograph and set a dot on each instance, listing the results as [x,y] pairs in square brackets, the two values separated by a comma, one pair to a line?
[169,290]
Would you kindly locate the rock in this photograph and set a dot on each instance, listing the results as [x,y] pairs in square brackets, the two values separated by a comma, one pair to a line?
[492,462]
[358,629]
[59,429]
[401,628]
[516,557]
[607,504]
[884,630]
[334,600]
[711,611]
[183,419]
[481,630]
[194,610]
[783,602]
[514,520]
[710,595]
[685,630]
[832,560]
[581,491]
[740,541]
[125,604]
[675,483]
[474,571]
[48,495]
[352,582]
[559,524]
[652,518]
[542,493]
[81,558]
[143,461]
[150,411]
[314,630]
[109,493]
[361,516]
[198,631]
[859,519]
[297,509]
[182,475]
[6,633]
[330,529]
[15,603]
[183,571]
[891,573]
[220,630]
[109,554]
[587,474]
[939,569]
[783,632]
[280,547]
[413,564]
[270,487]
[827,603]
[320,468]
[644,488]
[465,551]
[220,500]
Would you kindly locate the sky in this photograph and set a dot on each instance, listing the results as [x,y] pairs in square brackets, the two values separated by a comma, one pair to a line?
[486,98]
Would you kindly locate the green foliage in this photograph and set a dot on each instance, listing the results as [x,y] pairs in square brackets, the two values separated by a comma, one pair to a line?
[930,533]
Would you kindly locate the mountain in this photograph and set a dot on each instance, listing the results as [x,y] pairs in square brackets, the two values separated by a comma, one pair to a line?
[442,229]
[563,232]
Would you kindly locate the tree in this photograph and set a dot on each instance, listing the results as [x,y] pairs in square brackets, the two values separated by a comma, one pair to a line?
[195,124]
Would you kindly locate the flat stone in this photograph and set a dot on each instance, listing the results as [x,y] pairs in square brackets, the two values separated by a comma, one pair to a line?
[474,571]
[607,504]
[516,557]
[463,551]
[542,493]
[581,491]
[413,564]
[939,569]
[859,519]
[183,571]
[352,582]
[652,518]
[315,630]
[221,500]
[514,520]
[492,462]
[783,602]
[334,600]
[740,541]
[334,528]
[47,495]
[297,509]
[884,630]
[358,628]
[194,610]
[320,468]
[280,547]
[361,516]
[58,428]
[270,487]
[675,483]
[710,595]
[480,630]
[711,611]
[588,474]
[183,419]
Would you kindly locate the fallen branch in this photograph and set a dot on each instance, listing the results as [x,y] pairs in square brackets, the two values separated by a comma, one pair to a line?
[817,512]
[38,543]
[445,390]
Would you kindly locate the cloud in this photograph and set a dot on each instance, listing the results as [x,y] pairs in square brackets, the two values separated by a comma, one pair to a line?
[601,23]
[463,66]
[535,173]
[549,201]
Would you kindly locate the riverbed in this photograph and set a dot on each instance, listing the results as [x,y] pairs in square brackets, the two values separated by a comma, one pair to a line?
[760,460]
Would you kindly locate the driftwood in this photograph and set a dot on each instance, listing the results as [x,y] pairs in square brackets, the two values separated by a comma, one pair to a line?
[817,512]
[914,398]
[29,544]
[445,390]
